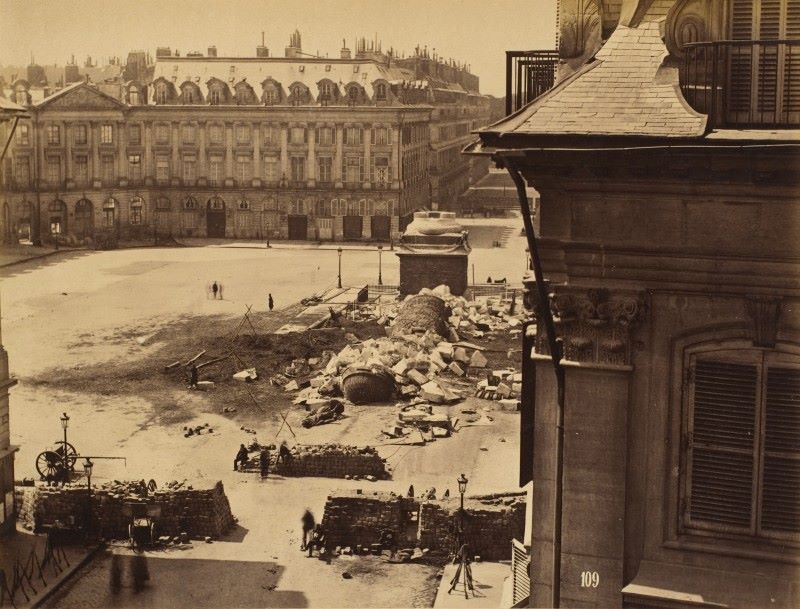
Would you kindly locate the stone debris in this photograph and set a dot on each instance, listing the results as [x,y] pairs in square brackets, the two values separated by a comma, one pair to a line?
[247,376]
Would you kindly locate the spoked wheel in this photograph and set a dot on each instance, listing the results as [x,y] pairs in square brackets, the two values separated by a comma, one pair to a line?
[72,454]
[49,465]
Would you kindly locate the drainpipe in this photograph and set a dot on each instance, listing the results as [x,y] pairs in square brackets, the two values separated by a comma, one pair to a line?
[544,313]
[36,235]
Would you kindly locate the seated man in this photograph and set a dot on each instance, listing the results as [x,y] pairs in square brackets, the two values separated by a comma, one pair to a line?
[317,540]
[241,457]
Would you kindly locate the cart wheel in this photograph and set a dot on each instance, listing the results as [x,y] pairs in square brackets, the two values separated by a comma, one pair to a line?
[72,454]
[49,465]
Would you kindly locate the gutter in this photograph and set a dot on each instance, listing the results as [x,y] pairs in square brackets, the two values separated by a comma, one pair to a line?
[544,313]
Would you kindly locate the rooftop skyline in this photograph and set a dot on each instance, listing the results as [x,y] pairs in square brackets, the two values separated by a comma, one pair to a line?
[469,31]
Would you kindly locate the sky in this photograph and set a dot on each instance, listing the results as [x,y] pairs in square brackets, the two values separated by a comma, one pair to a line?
[477,32]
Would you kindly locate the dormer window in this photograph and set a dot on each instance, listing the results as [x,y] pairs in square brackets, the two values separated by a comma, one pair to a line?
[380,92]
[133,96]
[215,97]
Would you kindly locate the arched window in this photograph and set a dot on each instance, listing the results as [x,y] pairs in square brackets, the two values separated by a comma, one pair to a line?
[190,204]
[216,203]
[162,93]
[244,205]
[109,212]
[137,205]
[352,95]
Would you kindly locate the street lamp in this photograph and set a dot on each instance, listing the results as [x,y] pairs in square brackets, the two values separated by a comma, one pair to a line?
[462,488]
[380,266]
[87,469]
[64,425]
[339,282]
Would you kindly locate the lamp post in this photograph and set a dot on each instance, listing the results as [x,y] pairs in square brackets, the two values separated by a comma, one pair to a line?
[339,281]
[87,469]
[64,425]
[462,488]
[380,266]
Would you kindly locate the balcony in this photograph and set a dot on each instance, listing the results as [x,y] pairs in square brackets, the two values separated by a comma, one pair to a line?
[744,83]
[528,75]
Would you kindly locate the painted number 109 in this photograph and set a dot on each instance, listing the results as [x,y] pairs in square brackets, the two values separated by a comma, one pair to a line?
[590,579]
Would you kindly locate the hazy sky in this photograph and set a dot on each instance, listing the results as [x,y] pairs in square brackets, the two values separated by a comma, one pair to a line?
[473,31]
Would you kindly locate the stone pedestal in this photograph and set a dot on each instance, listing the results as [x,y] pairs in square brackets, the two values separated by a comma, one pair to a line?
[433,251]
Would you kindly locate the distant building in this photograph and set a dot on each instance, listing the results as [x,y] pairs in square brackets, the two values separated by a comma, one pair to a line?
[297,147]
[668,165]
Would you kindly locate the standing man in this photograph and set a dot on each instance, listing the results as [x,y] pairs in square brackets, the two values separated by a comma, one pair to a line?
[193,377]
[263,461]
[308,526]
[214,289]
[270,303]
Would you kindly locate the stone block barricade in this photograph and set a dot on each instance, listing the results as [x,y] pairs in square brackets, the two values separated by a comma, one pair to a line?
[354,518]
[198,512]
[327,461]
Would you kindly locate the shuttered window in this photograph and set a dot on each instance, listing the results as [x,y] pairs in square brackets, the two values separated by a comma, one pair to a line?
[743,443]
[765,78]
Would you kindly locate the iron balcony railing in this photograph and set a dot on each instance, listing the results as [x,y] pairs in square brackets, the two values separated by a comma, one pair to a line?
[744,83]
[528,75]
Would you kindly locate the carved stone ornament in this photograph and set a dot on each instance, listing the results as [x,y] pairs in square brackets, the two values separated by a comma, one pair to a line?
[687,21]
[765,315]
[595,325]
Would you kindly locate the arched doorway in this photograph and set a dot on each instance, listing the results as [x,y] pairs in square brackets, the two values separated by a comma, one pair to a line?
[215,217]
[24,220]
[57,218]
[84,219]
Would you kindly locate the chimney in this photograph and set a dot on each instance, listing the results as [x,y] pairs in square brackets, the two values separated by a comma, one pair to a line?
[345,52]
[212,51]
[262,50]
[294,49]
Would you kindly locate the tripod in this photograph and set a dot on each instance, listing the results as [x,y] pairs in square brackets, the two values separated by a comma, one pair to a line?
[463,572]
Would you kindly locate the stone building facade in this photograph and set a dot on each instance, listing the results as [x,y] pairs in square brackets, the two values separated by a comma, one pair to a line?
[294,147]
[667,165]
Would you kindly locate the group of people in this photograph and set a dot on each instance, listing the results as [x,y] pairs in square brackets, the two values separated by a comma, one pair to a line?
[216,289]
[243,456]
[313,535]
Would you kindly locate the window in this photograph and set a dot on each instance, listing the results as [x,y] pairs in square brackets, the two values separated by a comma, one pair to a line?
[743,443]
[216,203]
[325,93]
[53,171]
[380,92]
[380,136]
[134,167]
[189,169]
[188,95]
[23,171]
[216,133]
[135,135]
[323,208]
[189,203]
[162,95]
[53,134]
[242,134]
[298,95]
[381,175]
[271,169]
[23,135]
[297,135]
[325,136]
[244,166]
[107,168]
[188,134]
[163,204]
[215,97]
[106,134]
[270,96]
[215,172]
[272,135]
[354,169]
[55,225]
[244,205]
[298,169]
[162,168]
[81,170]
[353,136]
[109,208]
[133,96]
[137,203]
[353,95]
[324,169]
[162,133]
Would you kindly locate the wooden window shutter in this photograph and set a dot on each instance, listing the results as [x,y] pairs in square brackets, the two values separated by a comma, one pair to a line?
[780,504]
[722,434]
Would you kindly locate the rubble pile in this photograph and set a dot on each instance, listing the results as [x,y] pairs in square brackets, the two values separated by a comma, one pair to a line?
[178,507]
